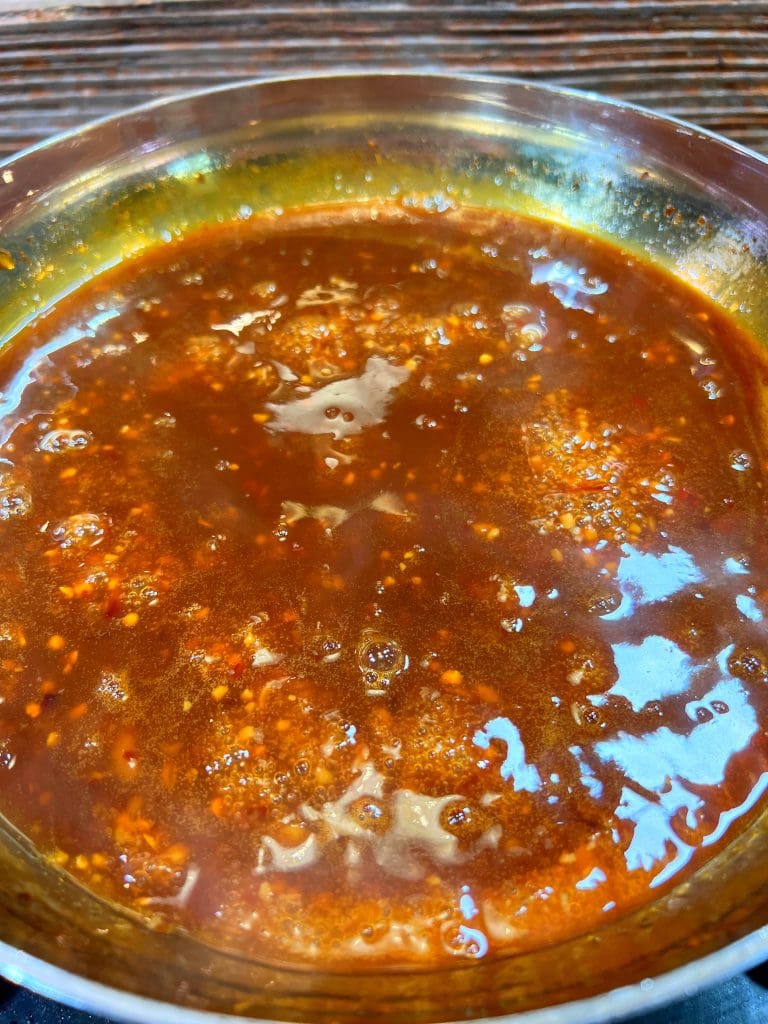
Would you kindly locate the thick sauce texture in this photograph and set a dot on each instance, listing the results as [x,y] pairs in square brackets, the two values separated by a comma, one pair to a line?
[382,587]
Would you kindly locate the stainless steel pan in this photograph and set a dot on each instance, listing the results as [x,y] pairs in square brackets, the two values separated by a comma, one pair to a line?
[683,198]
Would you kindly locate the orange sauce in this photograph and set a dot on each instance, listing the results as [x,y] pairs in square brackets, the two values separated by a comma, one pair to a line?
[382,592]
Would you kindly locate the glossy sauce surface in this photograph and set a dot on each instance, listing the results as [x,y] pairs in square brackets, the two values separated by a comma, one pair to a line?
[382,589]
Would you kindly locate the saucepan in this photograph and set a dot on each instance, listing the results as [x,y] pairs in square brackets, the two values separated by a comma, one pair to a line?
[680,197]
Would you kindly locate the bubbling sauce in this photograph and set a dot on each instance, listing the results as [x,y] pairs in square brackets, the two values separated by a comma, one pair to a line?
[382,588]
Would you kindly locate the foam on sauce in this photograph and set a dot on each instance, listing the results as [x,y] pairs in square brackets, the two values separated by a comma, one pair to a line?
[382,591]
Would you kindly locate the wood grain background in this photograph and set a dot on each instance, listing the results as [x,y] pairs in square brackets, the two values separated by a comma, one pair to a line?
[703,60]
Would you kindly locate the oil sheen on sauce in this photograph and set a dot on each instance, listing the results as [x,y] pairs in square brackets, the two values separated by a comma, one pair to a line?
[382,590]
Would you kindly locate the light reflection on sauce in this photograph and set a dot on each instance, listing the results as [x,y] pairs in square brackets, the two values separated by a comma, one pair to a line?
[514,768]
[25,376]
[342,408]
[665,764]
[569,283]
[646,576]
[650,671]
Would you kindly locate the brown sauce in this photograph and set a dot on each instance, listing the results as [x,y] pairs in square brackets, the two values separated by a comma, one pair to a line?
[382,592]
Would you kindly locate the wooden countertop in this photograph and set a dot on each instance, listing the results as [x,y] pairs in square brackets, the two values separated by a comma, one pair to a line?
[60,65]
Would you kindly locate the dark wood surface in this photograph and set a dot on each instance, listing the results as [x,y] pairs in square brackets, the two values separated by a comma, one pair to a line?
[60,65]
